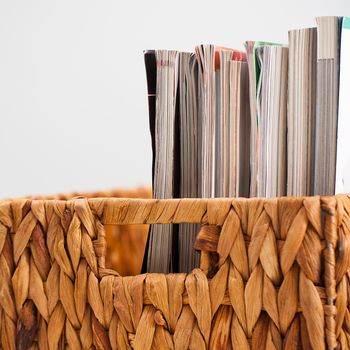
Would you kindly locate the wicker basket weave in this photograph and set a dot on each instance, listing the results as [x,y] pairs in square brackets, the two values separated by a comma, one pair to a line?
[281,277]
[125,243]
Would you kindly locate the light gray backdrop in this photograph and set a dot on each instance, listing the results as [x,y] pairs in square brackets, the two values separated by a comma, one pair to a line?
[73,105]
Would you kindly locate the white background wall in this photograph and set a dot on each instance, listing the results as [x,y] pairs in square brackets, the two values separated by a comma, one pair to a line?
[73,106]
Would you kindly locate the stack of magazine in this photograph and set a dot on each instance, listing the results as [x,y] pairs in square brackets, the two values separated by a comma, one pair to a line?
[270,121]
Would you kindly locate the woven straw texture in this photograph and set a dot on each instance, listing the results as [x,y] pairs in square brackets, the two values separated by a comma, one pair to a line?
[125,243]
[278,273]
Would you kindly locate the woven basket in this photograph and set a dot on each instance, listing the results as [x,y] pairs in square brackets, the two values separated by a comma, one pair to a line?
[278,276]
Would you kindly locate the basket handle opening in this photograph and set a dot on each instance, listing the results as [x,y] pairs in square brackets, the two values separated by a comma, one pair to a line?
[209,213]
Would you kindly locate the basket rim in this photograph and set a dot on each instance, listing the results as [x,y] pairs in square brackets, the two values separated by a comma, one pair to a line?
[131,210]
